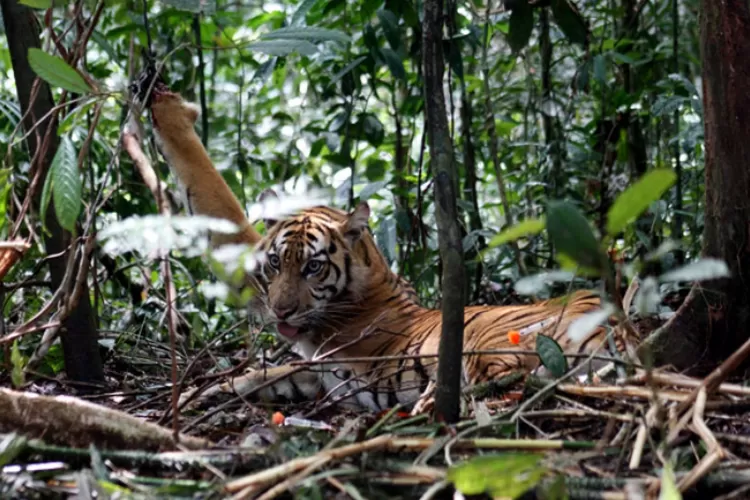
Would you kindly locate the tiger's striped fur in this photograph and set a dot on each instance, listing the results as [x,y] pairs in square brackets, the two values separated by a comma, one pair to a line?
[327,286]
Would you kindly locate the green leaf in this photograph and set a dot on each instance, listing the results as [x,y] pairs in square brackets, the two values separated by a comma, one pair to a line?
[308,33]
[389,22]
[17,361]
[600,69]
[669,490]
[394,63]
[637,198]
[283,47]
[66,187]
[524,228]
[346,69]
[37,4]
[551,355]
[571,234]
[56,72]
[521,24]
[570,21]
[46,196]
[580,328]
[205,6]
[507,475]
[299,16]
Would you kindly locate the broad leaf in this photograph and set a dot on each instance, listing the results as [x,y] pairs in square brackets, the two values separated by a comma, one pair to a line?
[205,6]
[507,475]
[571,234]
[283,47]
[37,4]
[309,33]
[637,198]
[394,63]
[521,25]
[532,285]
[56,72]
[647,300]
[551,355]
[582,327]
[66,184]
[46,196]
[700,270]
[524,228]
[570,21]
[389,22]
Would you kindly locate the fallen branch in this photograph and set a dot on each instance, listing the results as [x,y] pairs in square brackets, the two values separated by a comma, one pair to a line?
[70,421]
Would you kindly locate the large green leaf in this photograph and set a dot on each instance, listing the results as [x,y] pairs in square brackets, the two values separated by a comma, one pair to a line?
[524,228]
[389,22]
[570,21]
[37,4]
[572,235]
[637,198]
[308,33]
[205,6]
[283,47]
[551,355]
[521,25]
[394,63]
[507,475]
[66,184]
[56,72]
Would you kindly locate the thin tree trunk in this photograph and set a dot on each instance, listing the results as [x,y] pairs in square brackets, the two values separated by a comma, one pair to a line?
[78,334]
[714,319]
[448,392]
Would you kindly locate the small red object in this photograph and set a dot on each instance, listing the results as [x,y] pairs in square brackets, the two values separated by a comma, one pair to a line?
[278,418]
[514,337]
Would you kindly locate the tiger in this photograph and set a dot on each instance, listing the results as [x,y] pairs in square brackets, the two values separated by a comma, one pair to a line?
[329,290]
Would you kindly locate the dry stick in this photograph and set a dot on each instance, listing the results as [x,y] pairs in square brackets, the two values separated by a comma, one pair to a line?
[711,382]
[715,452]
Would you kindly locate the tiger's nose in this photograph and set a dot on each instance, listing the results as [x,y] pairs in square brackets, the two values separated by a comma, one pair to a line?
[283,312]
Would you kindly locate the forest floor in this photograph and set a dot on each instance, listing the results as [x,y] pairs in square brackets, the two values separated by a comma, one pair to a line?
[629,438]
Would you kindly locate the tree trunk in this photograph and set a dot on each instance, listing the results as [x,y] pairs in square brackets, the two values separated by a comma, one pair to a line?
[714,319]
[78,334]
[448,392]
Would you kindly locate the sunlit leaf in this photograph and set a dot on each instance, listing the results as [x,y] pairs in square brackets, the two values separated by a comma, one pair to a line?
[37,4]
[700,270]
[572,235]
[507,475]
[66,184]
[308,33]
[532,285]
[647,300]
[56,72]
[18,363]
[570,21]
[669,490]
[521,25]
[637,198]
[551,355]
[584,325]
[11,445]
[524,228]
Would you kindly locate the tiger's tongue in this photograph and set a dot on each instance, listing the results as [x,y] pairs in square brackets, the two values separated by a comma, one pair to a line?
[287,330]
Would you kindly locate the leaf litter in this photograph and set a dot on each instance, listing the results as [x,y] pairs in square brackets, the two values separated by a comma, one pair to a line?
[647,434]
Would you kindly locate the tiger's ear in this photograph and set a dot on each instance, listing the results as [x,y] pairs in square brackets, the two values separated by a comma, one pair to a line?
[357,222]
[268,194]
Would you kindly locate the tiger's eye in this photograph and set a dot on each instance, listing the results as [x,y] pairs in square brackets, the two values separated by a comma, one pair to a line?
[274,261]
[313,267]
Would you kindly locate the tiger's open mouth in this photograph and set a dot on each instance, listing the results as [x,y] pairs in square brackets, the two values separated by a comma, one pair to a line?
[290,331]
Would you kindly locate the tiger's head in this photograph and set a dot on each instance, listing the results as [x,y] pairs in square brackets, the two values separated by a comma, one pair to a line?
[315,266]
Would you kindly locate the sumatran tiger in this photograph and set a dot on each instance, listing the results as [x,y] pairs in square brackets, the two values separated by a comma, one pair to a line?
[330,292]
